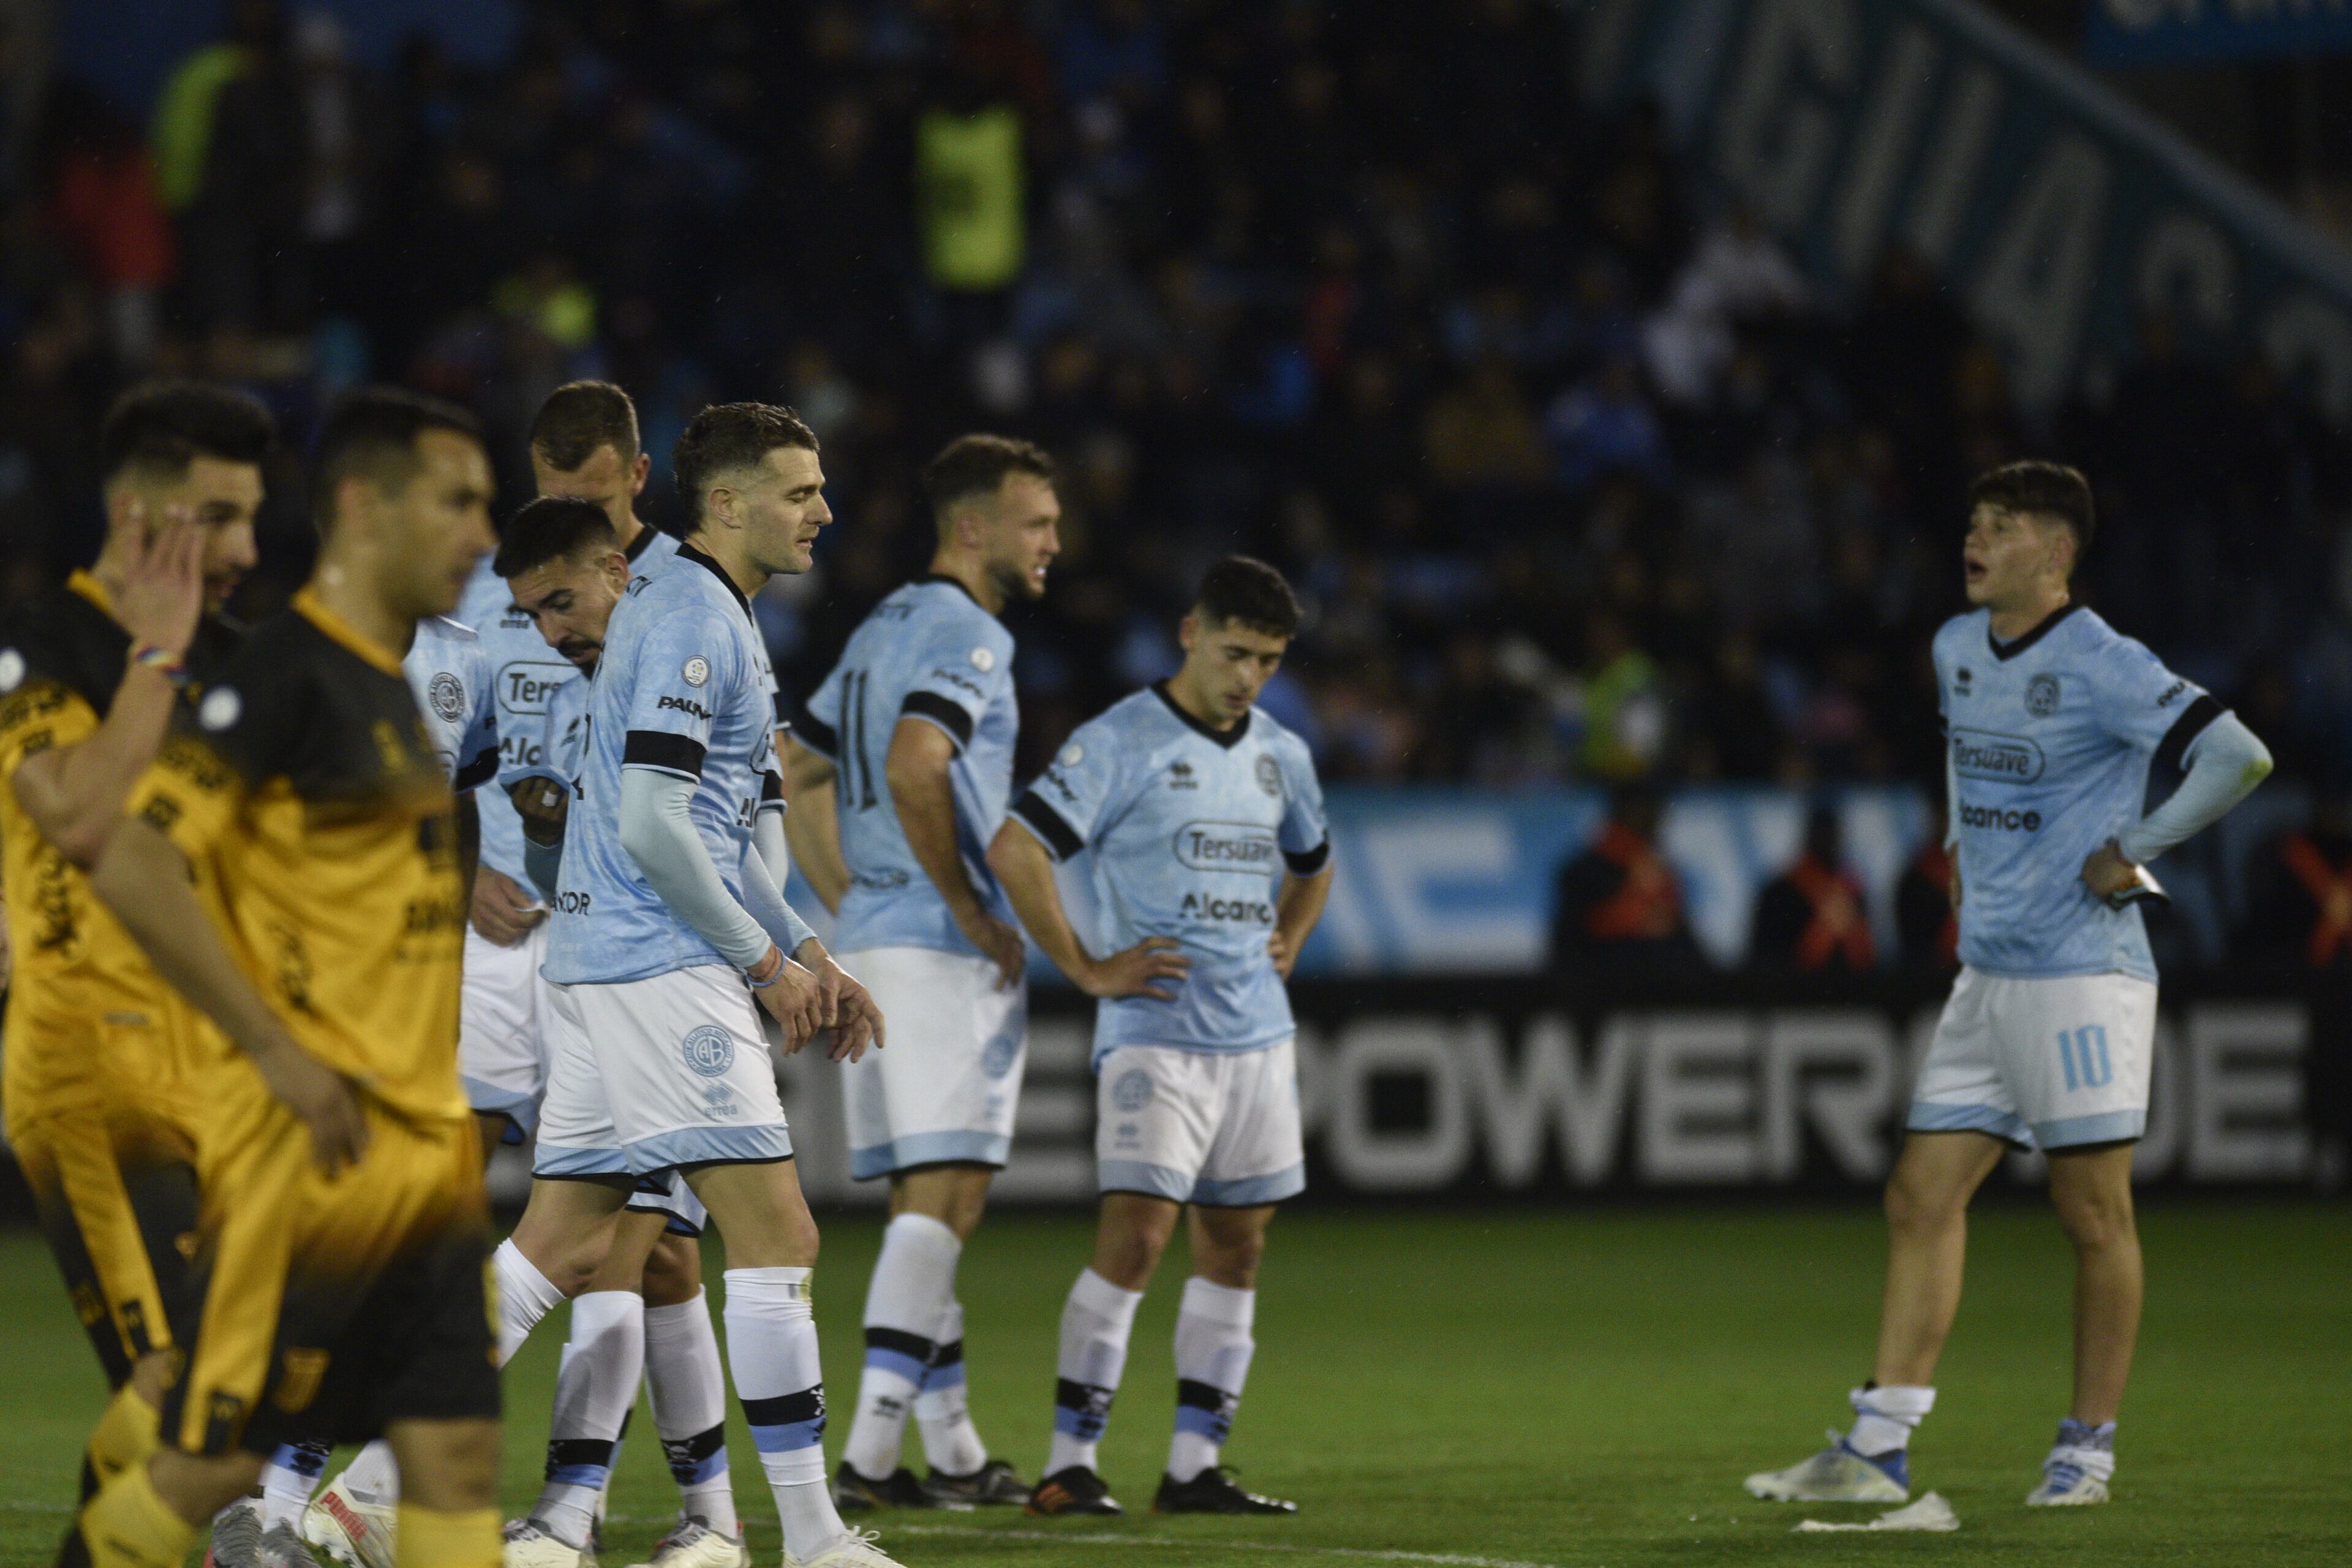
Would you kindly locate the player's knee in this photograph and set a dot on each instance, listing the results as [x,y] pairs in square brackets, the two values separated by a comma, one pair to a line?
[1233,1263]
[1913,1204]
[673,1271]
[2095,1218]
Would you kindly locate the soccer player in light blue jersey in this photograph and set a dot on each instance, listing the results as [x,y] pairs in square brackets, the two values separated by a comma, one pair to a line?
[902,767]
[669,933]
[2053,723]
[1202,825]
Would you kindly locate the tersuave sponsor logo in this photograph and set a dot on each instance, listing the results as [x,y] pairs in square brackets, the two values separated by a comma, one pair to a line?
[1242,846]
[2006,759]
[525,685]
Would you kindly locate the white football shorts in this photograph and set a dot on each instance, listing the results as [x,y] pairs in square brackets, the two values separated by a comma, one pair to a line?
[2049,1062]
[648,1075]
[946,1085]
[1219,1128]
[502,1010]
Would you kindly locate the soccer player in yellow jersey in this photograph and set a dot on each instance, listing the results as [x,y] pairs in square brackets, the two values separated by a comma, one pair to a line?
[94,1086]
[338,1286]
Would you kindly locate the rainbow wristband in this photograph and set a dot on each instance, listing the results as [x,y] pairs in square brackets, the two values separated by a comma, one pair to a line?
[163,661]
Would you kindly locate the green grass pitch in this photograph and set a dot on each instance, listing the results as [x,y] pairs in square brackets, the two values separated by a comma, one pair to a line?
[1530,1387]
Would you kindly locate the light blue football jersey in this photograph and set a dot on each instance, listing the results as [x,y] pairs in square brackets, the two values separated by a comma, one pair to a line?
[2052,739]
[526,673]
[556,751]
[929,651]
[682,687]
[449,672]
[1188,833]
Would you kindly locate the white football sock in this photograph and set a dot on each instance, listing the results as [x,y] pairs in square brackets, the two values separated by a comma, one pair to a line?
[1884,1417]
[1096,1322]
[374,1476]
[597,1382]
[1213,1357]
[289,1479]
[913,1280]
[688,1388]
[525,1296]
[950,1442]
[772,1342]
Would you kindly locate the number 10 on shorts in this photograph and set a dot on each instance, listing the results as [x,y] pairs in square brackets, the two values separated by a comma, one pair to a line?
[2083,1054]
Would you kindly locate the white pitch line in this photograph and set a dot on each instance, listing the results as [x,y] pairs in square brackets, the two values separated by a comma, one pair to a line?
[1104,1538]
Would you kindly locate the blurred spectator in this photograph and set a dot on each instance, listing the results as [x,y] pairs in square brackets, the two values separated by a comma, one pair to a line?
[1619,906]
[1811,919]
[1924,916]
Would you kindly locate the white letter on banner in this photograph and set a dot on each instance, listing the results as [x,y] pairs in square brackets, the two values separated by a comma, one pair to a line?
[2309,342]
[1846,1110]
[1698,1099]
[1775,142]
[1590,1111]
[1882,142]
[2187,268]
[1416,1159]
[2242,1122]
[1947,175]
[2036,280]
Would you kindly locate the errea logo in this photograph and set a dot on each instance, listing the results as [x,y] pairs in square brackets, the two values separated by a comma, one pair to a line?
[1180,776]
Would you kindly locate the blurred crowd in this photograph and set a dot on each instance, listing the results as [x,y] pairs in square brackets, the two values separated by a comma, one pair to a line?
[1579,480]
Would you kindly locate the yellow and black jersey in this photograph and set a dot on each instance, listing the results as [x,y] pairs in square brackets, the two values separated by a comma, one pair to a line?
[88,1019]
[306,795]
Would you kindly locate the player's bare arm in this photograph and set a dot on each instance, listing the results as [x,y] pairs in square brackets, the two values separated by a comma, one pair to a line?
[143,877]
[1022,863]
[1295,910]
[75,793]
[812,825]
[923,794]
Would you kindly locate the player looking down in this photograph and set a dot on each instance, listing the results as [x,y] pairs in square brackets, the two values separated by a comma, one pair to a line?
[1204,825]
[2053,723]
[902,768]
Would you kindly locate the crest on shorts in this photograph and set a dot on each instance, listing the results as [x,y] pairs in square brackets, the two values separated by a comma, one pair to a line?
[300,1373]
[447,695]
[1269,774]
[996,1058]
[1133,1091]
[709,1051]
[2042,696]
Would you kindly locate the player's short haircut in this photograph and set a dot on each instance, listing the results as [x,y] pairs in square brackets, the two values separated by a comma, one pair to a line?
[159,427]
[1239,590]
[552,528]
[2050,491]
[728,436]
[579,417]
[976,465]
[372,434]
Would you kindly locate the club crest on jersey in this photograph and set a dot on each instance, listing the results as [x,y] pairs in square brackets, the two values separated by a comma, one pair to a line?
[1072,754]
[709,1051]
[447,695]
[1132,1091]
[2042,696]
[697,670]
[1269,775]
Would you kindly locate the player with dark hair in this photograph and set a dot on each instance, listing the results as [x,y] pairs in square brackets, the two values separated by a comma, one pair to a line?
[2055,723]
[902,769]
[291,863]
[669,933]
[100,1106]
[1206,818]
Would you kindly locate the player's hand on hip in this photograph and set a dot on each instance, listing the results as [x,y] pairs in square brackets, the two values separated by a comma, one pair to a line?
[795,1000]
[1000,943]
[1277,948]
[502,911]
[1135,971]
[2107,872]
[322,1099]
[163,580]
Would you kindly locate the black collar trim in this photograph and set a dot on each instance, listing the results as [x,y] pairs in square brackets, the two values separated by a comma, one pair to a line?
[637,546]
[2009,650]
[689,552]
[1228,739]
[958,584]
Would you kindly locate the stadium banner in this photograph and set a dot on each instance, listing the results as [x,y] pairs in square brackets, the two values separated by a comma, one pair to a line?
[2054,209]
[2127,33]
[1509,1088]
